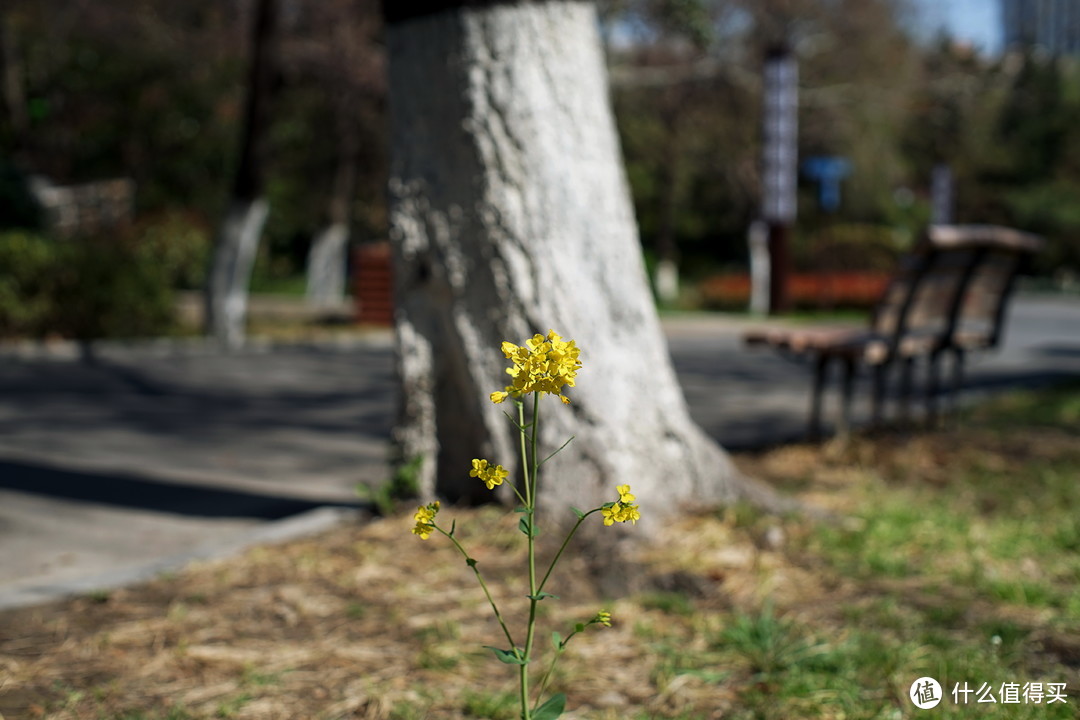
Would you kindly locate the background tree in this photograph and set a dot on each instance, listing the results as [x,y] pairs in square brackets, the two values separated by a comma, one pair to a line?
[687,80]
[509,215]
[330,139]
[238,237]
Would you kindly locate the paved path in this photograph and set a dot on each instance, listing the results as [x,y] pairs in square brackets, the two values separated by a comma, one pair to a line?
[130,462]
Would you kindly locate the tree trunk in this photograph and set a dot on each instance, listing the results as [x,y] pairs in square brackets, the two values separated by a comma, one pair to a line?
[327,260]
[237,242]
[510,214]
[230,270]
[666,275]
[14,90]
[326,267]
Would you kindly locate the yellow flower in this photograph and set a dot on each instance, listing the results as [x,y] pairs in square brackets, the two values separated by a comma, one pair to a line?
[425,519]
[603,618]
[542,365]
[625,510]
[490,475]
[629,512]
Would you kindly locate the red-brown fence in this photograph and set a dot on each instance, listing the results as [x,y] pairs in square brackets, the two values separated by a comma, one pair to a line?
[373,284]
[811,290]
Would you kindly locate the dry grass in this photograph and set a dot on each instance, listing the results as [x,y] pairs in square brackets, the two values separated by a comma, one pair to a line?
[370,622]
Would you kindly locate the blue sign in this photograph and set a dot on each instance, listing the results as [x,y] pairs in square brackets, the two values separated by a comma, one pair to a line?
[828,171]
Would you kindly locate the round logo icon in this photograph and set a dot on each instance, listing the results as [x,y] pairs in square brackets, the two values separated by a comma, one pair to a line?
[925,693]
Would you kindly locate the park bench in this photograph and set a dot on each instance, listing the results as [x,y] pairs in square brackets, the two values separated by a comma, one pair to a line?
[948,296]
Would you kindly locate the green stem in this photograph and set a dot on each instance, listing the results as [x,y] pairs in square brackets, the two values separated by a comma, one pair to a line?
[535,433]
[565,543]
[524,456]
[551,669]
[483,585]
[532,492]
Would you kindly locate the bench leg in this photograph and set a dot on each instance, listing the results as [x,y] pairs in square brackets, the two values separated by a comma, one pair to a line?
[932,381]
[906,372]
[848,387]
[877,396]
[957,382]
[821,368]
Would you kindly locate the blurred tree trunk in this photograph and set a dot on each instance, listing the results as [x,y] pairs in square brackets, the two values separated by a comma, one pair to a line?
[328,257]
[14,72]
[237,241]
[666,275]
[510,214]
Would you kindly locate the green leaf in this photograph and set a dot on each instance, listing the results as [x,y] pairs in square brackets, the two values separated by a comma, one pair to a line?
[541,595]
[526,527]
[552,709]
[577,512]
[453,526]
[580,627]
[521,510]
[510,657]
[556,640]
[471,562]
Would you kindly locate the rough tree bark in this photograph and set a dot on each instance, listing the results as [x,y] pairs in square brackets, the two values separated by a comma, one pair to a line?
[510,214]
[237,241]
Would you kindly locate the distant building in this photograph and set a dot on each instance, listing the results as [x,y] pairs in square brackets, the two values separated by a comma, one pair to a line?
[1050,25]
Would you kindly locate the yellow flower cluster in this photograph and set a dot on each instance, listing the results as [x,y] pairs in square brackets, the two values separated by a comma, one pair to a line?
[603,618]
[623,510]
[425,519]
[491,475]
[543,365]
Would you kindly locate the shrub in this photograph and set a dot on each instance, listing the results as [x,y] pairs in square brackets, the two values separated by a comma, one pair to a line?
[181,242]
[112,286]
[108,285]
[27,283]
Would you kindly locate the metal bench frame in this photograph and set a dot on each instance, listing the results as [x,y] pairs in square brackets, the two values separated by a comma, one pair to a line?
[948,296]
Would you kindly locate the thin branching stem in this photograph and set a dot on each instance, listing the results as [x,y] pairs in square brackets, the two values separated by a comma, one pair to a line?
[566,542]
[472,563]
[551,668]
[555,453]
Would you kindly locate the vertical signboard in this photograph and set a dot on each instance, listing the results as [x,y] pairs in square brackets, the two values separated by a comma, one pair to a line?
[780,166]
[780,139]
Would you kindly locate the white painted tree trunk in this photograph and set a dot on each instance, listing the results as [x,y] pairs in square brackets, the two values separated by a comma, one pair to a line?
[230,271]
[326,267]
[666,281]
[510,215]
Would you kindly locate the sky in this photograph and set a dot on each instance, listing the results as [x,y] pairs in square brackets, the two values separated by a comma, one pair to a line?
[975,21]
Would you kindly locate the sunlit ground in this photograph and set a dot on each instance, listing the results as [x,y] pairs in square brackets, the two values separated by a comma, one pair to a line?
[953,554]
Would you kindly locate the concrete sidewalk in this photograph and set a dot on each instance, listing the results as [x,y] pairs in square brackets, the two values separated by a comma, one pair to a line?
[146,456]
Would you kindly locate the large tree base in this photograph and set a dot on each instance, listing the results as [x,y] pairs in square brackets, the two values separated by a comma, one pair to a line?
[510,215]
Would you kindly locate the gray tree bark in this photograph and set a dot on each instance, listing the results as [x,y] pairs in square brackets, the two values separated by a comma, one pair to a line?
[510,214]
